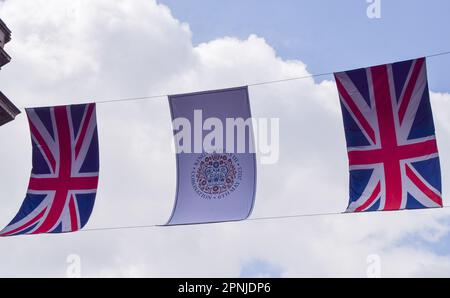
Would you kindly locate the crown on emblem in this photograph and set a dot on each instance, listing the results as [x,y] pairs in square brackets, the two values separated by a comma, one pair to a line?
[216,173]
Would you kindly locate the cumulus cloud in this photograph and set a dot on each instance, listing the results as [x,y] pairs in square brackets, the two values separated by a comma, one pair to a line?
[73,51]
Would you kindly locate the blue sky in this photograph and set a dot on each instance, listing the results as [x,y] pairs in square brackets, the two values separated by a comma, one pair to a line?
[260,268]
[330,35]
[117,49]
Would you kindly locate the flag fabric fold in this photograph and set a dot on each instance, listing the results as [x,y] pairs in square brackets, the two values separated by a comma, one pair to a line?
[392,150]
[64,178]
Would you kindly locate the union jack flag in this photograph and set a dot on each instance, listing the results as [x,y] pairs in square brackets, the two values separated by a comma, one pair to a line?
[391,143]
[64,178]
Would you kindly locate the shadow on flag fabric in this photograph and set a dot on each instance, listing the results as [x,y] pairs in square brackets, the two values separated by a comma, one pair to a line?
[391,143]
[216,165]
[64,178]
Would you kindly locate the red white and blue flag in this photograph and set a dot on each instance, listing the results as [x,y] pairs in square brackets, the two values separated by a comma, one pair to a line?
[64,178]
[391,143]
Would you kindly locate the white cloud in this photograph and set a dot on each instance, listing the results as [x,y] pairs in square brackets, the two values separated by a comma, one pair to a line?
[72,51]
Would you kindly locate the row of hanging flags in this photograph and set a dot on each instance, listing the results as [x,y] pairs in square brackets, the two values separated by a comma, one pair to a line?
[391,143]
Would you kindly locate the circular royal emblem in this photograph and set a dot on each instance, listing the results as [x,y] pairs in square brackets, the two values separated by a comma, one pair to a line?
[216,175]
